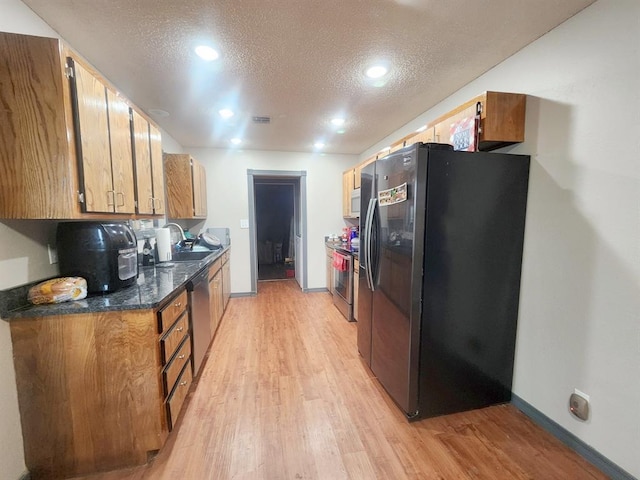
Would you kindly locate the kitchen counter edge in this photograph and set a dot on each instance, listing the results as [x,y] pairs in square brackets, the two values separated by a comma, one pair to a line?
[154,286]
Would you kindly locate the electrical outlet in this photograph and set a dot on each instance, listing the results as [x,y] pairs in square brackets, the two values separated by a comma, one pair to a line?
[53,254]
[579,405]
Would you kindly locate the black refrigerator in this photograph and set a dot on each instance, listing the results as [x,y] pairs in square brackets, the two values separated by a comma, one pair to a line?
[440,259]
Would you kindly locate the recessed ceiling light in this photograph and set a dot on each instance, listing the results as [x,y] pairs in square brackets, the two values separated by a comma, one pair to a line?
[341,131]
[377,71]
[421,129]
[226,113]
[338,122]
[206,53]
[236,141]
[318,145]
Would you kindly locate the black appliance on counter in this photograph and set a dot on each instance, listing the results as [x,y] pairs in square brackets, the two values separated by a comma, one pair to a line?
[441,239]
[105,254]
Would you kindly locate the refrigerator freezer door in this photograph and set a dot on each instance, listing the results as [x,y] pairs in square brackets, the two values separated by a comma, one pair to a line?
[364,286]
[395,333]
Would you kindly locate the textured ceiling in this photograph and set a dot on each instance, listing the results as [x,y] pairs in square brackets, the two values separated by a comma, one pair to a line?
[301,62]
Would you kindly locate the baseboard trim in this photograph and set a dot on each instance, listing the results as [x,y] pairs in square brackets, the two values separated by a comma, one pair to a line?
[243,294]
[569,439]
[315,290]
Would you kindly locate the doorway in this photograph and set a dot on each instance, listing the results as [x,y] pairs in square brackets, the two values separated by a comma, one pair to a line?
[275,229]
[288,248]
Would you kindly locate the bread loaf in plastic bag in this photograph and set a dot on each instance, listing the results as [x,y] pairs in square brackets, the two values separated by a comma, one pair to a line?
[58,290]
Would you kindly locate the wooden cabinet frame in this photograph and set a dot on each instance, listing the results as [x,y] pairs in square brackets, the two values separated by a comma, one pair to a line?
[61,156]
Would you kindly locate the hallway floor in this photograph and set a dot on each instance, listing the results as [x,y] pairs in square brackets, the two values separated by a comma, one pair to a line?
[271,271]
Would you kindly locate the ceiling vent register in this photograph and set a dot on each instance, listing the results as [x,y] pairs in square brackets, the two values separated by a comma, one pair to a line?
[261,120]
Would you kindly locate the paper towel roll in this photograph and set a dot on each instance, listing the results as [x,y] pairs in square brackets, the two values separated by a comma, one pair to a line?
[163,244]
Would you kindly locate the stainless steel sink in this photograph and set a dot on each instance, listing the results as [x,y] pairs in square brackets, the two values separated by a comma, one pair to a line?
[189,256]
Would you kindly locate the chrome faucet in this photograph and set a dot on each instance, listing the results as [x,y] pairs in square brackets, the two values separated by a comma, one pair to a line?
[182,237]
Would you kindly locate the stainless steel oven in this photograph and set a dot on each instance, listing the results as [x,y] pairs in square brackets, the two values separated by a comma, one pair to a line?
[343,283]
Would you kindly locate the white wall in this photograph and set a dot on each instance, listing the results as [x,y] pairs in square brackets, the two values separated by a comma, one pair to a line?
[227,191]
[579,324]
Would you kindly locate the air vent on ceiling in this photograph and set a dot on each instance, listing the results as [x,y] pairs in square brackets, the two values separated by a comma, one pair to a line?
[261,120]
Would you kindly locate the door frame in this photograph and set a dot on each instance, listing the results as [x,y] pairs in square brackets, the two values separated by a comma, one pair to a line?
[301,176]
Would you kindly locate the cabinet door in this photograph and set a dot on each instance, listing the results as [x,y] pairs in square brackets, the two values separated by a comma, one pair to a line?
[199,189]
[143,163]
[157,170]
[396,146]
[121,155]
[92,128]
[358,171]
[442,129]
[226,283]
[426,136]
[347,187]
[177,168]
[215,303]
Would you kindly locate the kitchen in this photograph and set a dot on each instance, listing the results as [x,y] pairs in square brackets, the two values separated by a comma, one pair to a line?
[579,269]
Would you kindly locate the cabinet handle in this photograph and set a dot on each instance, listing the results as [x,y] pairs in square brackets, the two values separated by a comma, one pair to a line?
[121,195]
[177,305]
[179,329]
[182,384]
[180,357]
[113,198]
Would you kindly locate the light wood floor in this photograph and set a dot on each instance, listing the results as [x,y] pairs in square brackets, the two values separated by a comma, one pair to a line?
[284,395]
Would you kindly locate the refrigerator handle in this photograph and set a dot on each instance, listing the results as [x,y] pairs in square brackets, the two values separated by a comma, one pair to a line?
[367,248]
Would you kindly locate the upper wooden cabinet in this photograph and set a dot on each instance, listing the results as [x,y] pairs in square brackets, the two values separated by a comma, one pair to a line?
[199,189]
[149,166]
[348,180]
[501,122]
[427,135]
[185,179]
[157,170]
[502,117]
[65,136]
[357,181]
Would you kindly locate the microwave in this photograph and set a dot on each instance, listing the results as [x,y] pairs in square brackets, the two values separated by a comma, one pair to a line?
[355,202]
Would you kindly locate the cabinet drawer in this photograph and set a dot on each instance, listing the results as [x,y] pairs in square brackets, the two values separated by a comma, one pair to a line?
[173,338]
[173,369]
[175,401]
[172,311]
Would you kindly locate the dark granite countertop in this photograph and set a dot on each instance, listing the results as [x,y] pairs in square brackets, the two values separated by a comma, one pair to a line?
[154,286]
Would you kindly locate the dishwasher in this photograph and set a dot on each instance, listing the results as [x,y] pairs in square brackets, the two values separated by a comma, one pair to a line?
[199,314]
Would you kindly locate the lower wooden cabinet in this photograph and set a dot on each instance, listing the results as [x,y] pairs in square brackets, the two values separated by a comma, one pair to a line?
[329,265]
[215,294]
[179,393]
[100,391]
[175,349]
[226,279]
